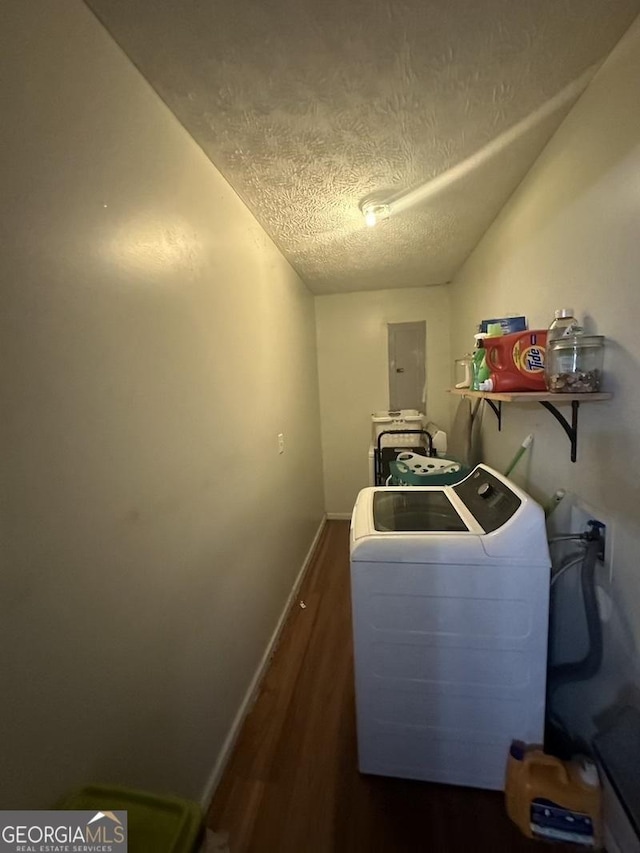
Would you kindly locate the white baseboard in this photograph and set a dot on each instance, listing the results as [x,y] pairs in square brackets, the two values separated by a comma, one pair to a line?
[245,705]
[339,516]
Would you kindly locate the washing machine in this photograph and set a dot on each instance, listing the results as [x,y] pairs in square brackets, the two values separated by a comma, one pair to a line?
[450,599]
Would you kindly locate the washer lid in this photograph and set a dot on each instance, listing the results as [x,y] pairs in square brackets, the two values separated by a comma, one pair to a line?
[414,510]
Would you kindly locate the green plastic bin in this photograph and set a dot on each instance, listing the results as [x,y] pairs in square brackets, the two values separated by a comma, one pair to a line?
[156,824]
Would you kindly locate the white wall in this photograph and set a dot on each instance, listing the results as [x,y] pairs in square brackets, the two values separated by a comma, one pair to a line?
[354,382]
[154,342]
[570,236]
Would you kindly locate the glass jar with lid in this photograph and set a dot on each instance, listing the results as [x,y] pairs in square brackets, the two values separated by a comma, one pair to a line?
[573,364]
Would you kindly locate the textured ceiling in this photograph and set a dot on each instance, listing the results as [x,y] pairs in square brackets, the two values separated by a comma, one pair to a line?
[310,106]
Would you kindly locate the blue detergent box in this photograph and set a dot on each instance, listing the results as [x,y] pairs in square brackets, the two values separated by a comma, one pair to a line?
[508,324]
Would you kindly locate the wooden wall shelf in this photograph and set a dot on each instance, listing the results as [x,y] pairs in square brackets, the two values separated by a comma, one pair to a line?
[546,399]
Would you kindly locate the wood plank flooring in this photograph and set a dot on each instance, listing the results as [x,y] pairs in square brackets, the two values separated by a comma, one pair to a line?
[292,784]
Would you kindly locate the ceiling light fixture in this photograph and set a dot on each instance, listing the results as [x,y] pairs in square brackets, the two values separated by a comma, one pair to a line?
[374,213]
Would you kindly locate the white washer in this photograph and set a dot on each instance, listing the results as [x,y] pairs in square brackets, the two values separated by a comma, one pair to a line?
[450,598]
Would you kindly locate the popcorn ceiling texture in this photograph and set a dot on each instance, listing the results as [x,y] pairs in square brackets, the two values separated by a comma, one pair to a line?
[309,106]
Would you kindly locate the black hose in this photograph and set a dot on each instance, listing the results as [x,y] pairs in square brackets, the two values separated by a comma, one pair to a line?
[588,666]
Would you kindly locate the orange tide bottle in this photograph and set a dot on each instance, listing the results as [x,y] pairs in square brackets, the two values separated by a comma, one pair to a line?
[516,362]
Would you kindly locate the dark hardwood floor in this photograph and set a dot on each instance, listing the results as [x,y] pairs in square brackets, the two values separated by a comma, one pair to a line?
[292,784]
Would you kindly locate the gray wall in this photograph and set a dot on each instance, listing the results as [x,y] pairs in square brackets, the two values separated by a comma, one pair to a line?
[571,236]
[154,342]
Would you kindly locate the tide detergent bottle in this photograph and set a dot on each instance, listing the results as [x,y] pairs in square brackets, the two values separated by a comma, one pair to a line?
[515,362]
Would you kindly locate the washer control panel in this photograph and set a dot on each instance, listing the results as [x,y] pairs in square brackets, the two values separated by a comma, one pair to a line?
[489,499]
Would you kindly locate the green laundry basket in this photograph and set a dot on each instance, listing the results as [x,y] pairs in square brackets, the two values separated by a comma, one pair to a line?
[413,469]
[155,824]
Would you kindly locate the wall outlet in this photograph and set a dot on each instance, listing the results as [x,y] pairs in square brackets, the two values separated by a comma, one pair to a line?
[581,515]
[280,442]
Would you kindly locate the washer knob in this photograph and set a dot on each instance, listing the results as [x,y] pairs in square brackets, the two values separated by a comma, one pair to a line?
[485,490]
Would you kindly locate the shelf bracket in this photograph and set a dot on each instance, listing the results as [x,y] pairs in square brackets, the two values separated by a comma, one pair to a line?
[571,429]
[497,410]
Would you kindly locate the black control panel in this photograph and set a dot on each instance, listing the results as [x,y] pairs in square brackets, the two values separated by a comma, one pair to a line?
[490,501]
